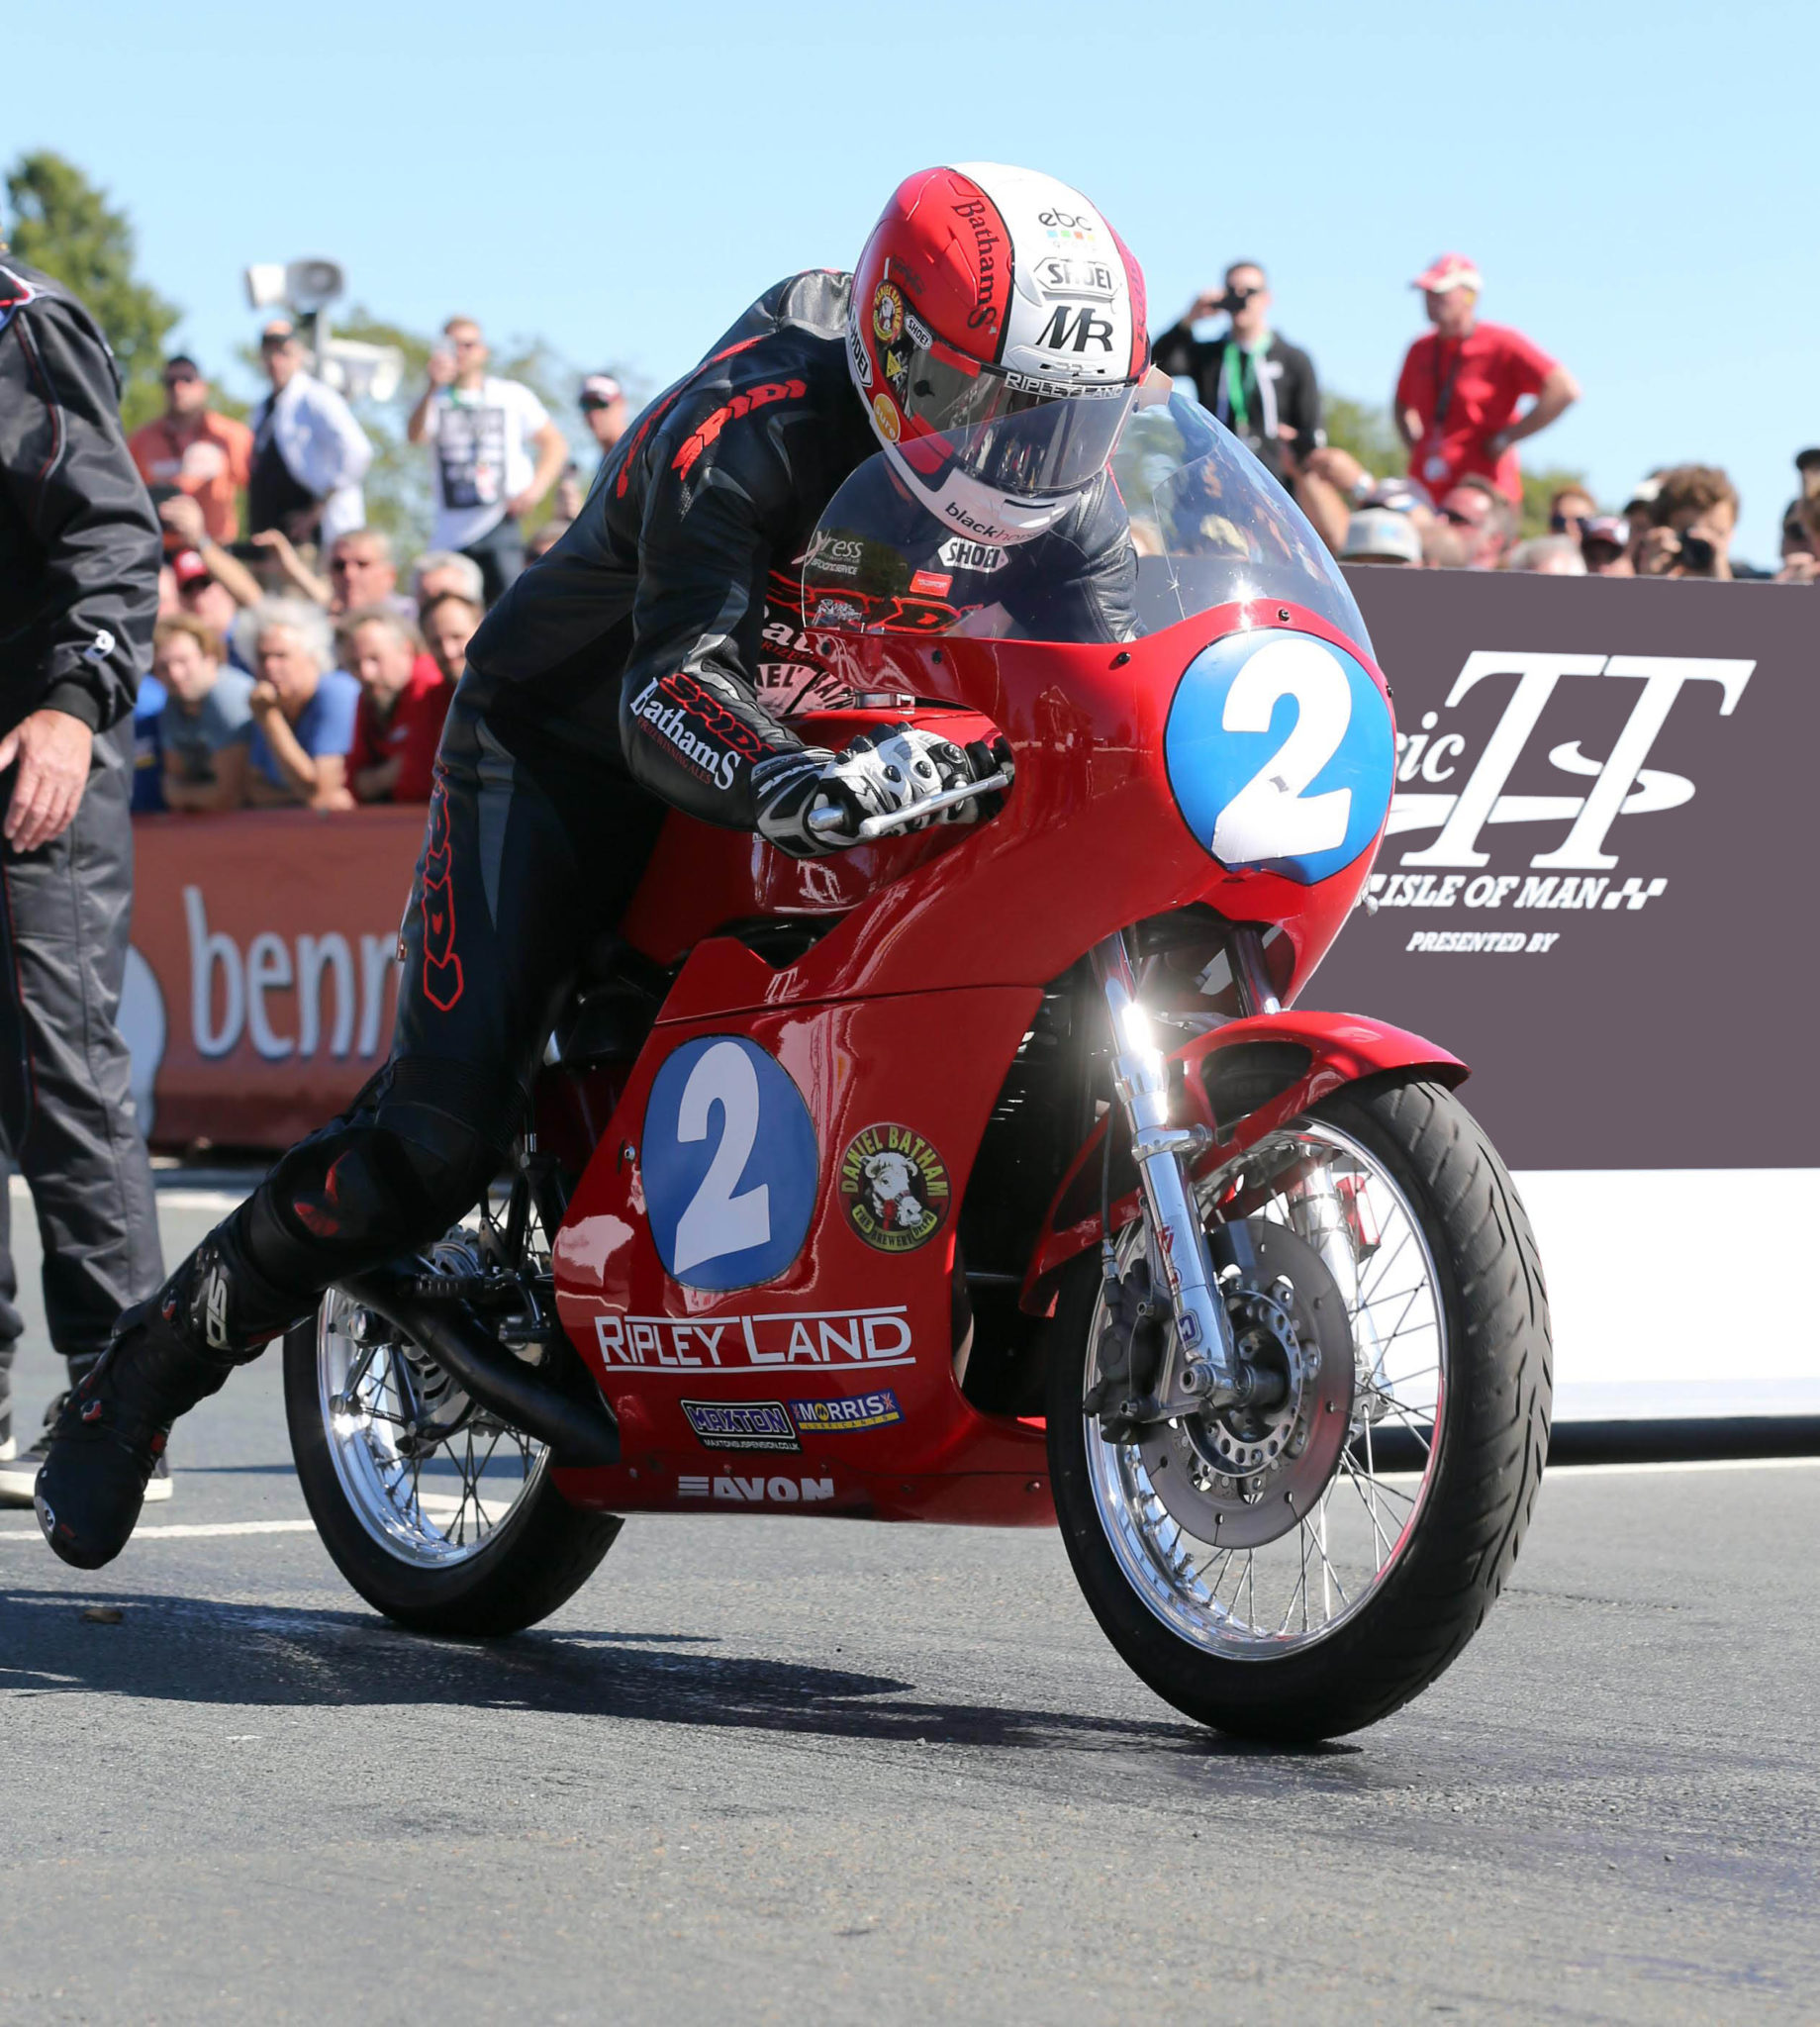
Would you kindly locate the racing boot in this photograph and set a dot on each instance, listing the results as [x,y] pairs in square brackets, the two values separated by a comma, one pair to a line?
[166,1354]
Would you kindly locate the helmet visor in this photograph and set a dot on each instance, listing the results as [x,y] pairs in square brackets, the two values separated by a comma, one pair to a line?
[1015,433]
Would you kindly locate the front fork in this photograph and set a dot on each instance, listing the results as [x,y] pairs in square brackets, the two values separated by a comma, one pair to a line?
[1200,1367]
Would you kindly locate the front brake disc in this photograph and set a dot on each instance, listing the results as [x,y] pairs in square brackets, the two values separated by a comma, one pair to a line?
[1236,1478]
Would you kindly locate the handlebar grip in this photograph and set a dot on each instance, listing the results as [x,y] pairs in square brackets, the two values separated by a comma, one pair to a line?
[825,821]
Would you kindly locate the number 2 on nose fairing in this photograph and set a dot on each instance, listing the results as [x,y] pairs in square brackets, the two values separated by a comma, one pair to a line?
[1280,754]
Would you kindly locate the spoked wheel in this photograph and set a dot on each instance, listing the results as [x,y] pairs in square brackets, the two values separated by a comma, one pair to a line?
[434,1510]
[1302,1567]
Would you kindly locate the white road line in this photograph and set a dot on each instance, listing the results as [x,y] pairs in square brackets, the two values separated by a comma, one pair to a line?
[1685,1464]
[224,1527]
[194,1533]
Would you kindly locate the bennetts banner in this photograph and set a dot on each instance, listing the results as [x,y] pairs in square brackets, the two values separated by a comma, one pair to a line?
[1597,884]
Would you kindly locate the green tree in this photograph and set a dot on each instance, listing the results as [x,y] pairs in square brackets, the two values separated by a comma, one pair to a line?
[62,223]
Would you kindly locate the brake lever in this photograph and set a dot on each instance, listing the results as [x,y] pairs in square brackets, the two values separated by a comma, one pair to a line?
[825,821]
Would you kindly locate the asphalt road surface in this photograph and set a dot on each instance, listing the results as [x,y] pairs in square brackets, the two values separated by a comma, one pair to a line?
[805,1770]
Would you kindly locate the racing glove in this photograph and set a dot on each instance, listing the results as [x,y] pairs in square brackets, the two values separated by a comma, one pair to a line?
[883,773]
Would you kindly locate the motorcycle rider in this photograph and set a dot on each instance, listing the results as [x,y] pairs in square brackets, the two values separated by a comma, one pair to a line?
[993,333]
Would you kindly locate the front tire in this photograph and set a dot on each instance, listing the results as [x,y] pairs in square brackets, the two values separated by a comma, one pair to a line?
[1391,1196]
[424,1529]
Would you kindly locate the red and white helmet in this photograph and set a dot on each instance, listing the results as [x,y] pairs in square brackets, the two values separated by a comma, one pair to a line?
[996,336]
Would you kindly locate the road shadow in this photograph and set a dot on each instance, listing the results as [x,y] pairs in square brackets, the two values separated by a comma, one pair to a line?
[194,1651]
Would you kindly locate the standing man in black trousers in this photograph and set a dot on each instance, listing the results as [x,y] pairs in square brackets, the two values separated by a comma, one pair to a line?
[79,554]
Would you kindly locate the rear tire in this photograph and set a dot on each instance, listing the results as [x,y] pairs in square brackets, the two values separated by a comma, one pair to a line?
[534,1560]
[1478,1479]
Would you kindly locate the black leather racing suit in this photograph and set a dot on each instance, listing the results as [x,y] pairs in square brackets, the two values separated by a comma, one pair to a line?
[625,673]
[79,554]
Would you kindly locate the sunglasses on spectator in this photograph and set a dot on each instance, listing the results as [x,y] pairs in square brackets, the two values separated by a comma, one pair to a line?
[1459,519]
[338,566]
[181,379]
[1564,523]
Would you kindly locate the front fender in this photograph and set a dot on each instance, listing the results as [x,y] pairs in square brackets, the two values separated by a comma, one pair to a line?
[1241,1082]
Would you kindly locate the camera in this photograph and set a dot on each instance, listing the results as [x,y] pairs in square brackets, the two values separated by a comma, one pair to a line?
[1697,555]
[1235,300]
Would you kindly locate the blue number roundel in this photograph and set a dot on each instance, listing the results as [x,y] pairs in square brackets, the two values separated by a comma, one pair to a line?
[1280,754]
[730,1171]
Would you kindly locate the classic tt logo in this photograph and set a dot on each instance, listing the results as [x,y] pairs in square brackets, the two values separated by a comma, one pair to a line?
[1622,786]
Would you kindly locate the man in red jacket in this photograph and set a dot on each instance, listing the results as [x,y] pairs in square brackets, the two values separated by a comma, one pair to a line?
[1457,392]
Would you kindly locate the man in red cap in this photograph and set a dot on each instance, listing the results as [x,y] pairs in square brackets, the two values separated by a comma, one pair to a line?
[1457,392]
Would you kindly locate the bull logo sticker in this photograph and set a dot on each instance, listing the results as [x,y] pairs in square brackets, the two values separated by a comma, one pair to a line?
[893,1187]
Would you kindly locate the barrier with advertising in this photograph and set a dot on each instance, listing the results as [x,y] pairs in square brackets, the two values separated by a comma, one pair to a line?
[1596,887]
[260,991]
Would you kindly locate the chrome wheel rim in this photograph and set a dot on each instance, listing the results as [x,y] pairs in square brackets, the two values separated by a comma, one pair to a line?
[430,1477]
[1265,1601]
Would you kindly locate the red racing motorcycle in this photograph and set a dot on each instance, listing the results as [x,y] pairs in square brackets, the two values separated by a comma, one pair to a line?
[988,1172]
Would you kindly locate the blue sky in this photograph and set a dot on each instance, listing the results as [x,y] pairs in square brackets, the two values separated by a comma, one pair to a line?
[1637,184]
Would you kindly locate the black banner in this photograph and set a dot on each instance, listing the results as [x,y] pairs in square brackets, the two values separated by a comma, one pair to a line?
[1597,883]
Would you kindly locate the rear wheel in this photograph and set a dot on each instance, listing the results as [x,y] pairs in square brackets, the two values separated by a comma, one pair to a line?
[1301,1571]
[438,1515]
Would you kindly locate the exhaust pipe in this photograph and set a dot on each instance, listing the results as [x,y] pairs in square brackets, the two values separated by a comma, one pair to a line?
[579,1428]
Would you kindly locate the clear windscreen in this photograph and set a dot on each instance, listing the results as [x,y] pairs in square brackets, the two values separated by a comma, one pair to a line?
[1196,522]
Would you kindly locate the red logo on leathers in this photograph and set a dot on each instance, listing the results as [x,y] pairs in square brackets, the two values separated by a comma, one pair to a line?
[742,404]
[441,967]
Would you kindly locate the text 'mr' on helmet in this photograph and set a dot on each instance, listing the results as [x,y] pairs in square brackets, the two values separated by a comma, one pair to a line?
[996,336]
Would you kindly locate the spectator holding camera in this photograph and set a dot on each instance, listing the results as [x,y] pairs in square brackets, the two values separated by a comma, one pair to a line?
[302,710]
[191,449]
[206,724]
[404,698]
[1261,387]
[1692,519]
[496,453]
[1457,396]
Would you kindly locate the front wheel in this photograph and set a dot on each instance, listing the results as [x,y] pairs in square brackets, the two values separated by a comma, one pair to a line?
[438,1514]
[1297,1571]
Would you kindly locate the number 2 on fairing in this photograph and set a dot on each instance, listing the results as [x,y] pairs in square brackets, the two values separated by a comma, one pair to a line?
[1279,749]
[729,1163]
[717,1221]
[1271,817]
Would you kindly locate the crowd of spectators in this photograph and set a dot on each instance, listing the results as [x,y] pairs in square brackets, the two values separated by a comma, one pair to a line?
[1467,393]
[291,668]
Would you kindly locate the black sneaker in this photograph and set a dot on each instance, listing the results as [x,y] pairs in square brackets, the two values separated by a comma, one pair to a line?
[19,1469]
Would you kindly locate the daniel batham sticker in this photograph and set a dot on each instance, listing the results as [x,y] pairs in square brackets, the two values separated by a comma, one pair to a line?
[893,1187]
[729,1163]
[1279,749]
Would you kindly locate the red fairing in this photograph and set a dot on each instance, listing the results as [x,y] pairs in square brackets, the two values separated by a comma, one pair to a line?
[1092,839]
[828,1385]
[853,1318]
[1341,1048]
